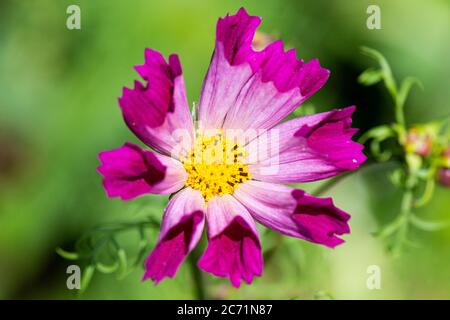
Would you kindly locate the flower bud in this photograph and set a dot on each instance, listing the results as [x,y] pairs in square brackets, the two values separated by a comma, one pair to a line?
[443,177]
[443,174]
[419,141]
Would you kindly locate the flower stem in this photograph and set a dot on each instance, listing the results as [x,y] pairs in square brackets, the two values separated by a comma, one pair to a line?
[405,213]
[400,114]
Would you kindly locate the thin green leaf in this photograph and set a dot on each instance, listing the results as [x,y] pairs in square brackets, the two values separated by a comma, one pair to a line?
[370,77]
[386,69]
[428,225]
[375,148]
[123,263]
[405,88]
[379,133]
[390,228]
[87,277]
[67,255]
[427,194]
[107,269]
[397,177]
[142,248]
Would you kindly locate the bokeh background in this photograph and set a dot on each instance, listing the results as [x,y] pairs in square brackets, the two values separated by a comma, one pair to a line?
[58,109]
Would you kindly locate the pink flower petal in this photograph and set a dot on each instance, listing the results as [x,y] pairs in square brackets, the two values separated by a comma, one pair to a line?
[293,212]
[181,230]
[308,148]
[234,250]
[157,110]
[246,89]
[130,171]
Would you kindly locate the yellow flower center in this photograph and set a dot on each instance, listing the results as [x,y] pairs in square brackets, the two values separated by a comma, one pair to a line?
[215,166]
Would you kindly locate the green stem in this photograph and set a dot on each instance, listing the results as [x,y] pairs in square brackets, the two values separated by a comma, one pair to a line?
[427,194]
[400,114]
[405,212]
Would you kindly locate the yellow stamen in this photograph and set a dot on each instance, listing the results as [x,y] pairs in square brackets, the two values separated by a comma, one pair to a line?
[215,166]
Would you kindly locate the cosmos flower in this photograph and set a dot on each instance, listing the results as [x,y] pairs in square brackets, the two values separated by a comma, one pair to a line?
[210,176]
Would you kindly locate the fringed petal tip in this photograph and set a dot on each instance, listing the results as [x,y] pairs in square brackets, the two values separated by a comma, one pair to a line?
[287,72]
[233,254]
[294,213]
[235,33]
[154,108]
[171,251]
[234,249]
[310,148]
[276,65]
[155,65]
[181,230]
[320,219]
[256,89]
[147,104]
[332,138]
[130,171]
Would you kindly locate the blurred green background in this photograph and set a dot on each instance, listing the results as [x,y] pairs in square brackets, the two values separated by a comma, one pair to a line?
[58,109]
